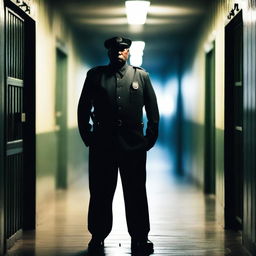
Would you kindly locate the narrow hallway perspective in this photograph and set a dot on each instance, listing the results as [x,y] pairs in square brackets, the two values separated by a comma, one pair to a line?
[200,56]
[183,220]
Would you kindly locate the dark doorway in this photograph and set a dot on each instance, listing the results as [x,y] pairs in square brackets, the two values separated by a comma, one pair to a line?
[209,173]
[234,123]
[19,101]
[61,117]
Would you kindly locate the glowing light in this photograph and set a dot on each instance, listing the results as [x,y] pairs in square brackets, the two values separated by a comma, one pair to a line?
[136,11]
[136,60]
[208,46]
[253,16]
[136,52]
[166,94]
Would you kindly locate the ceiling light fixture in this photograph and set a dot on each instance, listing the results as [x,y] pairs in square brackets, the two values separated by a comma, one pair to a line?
[136,52]
[136,12]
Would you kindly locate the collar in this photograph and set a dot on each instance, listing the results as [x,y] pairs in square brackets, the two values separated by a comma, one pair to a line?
[122,70]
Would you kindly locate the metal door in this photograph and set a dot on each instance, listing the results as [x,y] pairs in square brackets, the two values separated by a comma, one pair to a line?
[14,125]
[234,123]
[209,174]
[61,118]
[238,123]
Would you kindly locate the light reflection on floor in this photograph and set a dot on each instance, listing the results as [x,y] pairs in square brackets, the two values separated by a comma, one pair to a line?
[182,219]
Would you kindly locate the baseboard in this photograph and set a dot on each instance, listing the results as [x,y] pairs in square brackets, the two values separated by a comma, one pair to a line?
[220,213]
[11,241]
[195,181]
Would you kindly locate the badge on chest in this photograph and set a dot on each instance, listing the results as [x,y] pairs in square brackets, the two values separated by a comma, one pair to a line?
[135,85]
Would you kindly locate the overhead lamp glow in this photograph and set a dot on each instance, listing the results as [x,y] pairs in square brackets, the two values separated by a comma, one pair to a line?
[137,47]
[136,52]
[136,12]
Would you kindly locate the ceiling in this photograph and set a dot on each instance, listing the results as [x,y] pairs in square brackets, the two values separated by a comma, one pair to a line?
[170,25]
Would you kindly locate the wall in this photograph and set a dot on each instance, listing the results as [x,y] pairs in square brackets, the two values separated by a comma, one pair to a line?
[249,225]
[193,91]
[166,88]
[52,30]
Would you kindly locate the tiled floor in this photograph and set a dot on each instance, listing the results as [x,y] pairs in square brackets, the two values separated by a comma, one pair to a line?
[182,220]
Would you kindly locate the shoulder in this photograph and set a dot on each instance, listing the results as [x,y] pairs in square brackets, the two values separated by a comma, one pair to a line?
[96,70]
[140,71]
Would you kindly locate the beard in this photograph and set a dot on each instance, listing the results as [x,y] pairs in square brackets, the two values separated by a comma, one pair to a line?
[118,60]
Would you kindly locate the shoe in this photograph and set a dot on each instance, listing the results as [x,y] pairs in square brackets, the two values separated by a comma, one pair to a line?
[144,247]
[96,246]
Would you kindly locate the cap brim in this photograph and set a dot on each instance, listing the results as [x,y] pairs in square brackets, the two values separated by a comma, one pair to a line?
[113,44]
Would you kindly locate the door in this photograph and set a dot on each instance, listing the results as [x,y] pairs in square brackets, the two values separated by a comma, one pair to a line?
[61,118]
[15,117]
[19,161]
[209,173]
[234,123]
[2,124]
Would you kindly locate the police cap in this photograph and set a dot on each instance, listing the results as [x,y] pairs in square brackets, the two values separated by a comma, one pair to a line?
[117,43]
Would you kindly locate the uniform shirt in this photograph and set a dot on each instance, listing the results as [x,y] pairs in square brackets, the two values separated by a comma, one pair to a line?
[117,97]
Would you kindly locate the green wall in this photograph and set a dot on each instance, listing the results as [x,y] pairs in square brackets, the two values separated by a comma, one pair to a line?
[193,151]
[46,161]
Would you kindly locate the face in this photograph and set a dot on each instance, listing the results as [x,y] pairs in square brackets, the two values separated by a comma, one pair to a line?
[118,55]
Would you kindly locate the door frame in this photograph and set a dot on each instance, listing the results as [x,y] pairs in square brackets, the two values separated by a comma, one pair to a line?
[61,132]
[229,200]
[29,149]
[2,123]
[30,124]
[209,163]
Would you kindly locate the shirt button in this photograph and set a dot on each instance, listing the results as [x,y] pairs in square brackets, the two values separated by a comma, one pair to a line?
[119,108]
[119,97]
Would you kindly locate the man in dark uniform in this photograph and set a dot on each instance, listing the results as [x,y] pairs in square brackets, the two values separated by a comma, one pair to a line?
[113,96]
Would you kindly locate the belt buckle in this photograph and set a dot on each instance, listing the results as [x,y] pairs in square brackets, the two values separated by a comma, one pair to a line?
[119,123]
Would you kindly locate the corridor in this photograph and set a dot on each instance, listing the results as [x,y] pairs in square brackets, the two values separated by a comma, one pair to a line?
[200,58]
[183,220]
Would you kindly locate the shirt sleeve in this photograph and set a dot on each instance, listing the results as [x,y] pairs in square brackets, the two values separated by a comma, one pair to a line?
[152,113]
[84,109]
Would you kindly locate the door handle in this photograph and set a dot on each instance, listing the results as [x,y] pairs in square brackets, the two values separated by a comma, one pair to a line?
[239,128]
[23,117]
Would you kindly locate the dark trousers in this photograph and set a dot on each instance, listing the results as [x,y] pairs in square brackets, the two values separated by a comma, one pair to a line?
[103,172]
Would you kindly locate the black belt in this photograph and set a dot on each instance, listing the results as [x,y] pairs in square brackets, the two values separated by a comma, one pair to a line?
[119,123]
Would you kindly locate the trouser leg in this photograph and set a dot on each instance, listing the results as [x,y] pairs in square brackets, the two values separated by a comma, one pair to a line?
[102,184]
[133,175]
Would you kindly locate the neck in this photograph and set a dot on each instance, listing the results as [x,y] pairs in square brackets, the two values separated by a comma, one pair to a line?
[117,65]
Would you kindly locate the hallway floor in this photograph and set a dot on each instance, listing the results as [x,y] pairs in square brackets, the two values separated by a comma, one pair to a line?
[182,220]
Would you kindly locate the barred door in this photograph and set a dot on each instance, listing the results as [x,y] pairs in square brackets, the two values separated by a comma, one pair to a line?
[238,123]
[234,172]
[14,126]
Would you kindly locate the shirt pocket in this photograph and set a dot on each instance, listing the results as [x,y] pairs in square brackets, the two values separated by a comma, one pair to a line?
[136,94]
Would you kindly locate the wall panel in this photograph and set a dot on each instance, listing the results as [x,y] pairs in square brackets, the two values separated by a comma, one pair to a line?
[249,225]
[53,30]
[2,102]
[214,29]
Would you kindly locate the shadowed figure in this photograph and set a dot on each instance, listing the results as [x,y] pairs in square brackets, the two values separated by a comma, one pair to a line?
[117,93]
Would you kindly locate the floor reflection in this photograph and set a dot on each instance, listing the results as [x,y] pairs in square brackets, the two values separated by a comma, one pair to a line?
[182,220]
